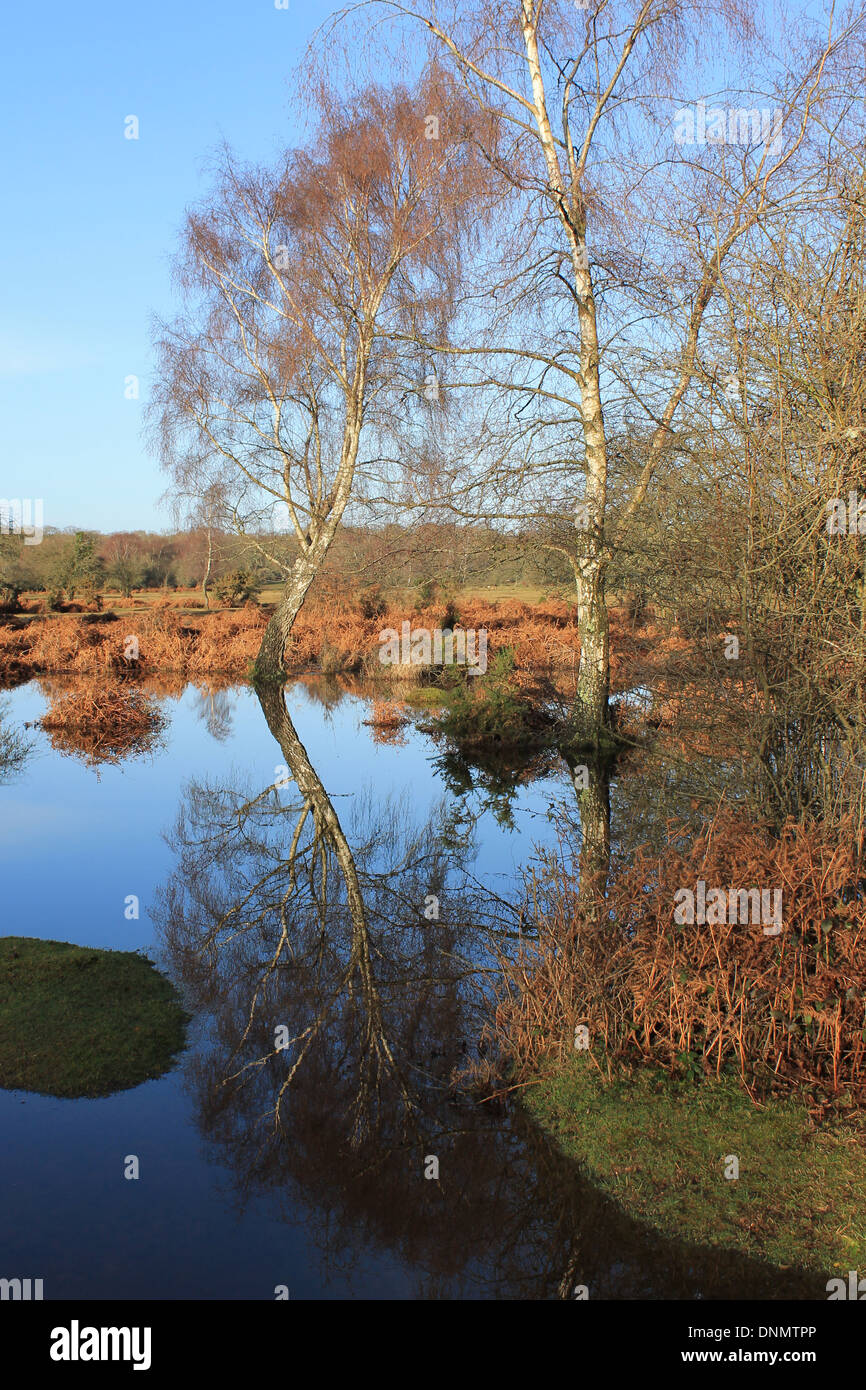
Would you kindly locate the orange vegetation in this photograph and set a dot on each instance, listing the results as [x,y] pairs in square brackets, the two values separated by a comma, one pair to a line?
[103,723]
[388,721]
[329,638]
[544,636]
[778,1009]
[197,646]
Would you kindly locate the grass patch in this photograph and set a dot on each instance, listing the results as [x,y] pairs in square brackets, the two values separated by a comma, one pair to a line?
[427,697]
[658,1147]
[83,1022]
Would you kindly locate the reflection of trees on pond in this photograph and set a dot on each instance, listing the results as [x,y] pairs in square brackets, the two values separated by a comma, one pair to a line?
[495,777]
[14,748]
[327,691]
[773,771]
[215,708]
[331,942]
[777,762]
[284,911]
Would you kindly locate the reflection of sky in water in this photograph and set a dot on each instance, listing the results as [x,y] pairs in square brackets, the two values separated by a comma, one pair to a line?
[73,846]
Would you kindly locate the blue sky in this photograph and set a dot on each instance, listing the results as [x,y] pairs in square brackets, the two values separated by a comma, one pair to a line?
[92,219]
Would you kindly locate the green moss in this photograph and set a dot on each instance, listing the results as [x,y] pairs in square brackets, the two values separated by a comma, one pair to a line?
[75,1021]
[426,697]
[658,1147]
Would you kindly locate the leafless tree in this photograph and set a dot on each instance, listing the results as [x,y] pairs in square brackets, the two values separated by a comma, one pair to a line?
[292,274]
[629,231]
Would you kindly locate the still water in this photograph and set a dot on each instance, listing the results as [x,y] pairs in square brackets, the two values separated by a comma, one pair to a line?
[282,859]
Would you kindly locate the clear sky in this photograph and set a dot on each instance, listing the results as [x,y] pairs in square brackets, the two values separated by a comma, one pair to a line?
[91,219]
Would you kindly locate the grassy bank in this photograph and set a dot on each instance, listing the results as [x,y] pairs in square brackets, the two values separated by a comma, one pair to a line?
[83,1022]
[659,1149]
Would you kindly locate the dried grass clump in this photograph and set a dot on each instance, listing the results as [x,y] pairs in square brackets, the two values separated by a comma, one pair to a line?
[779,1011]
[103,725]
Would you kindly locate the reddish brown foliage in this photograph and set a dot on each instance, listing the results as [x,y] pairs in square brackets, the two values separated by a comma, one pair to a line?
[544,636]
[778,1010]
[388,721]
[221,642]
[328,637]
[103,724]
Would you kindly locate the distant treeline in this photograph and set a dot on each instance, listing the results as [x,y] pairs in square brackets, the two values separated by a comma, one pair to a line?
[74,564]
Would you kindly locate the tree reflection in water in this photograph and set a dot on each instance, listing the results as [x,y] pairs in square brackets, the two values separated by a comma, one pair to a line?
[276,915]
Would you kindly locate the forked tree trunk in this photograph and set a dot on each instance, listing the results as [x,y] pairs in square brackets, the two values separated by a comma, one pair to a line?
[324,524]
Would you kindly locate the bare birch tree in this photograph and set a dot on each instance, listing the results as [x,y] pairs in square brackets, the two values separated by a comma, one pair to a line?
[587,95]
[291,274]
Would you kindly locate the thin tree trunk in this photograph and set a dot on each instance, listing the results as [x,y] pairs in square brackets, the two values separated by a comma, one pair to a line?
[593,681]
[591,565]
[206,579]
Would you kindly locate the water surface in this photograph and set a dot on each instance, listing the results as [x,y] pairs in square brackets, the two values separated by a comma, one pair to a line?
[321,1189]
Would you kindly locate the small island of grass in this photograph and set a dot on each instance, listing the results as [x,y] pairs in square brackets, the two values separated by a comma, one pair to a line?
[83,1022]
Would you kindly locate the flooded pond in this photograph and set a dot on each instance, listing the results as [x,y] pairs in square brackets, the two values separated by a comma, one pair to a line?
[321,898]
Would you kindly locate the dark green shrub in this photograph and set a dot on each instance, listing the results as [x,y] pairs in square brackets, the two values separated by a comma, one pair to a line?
[372,603]
[490,709]
[237,586]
